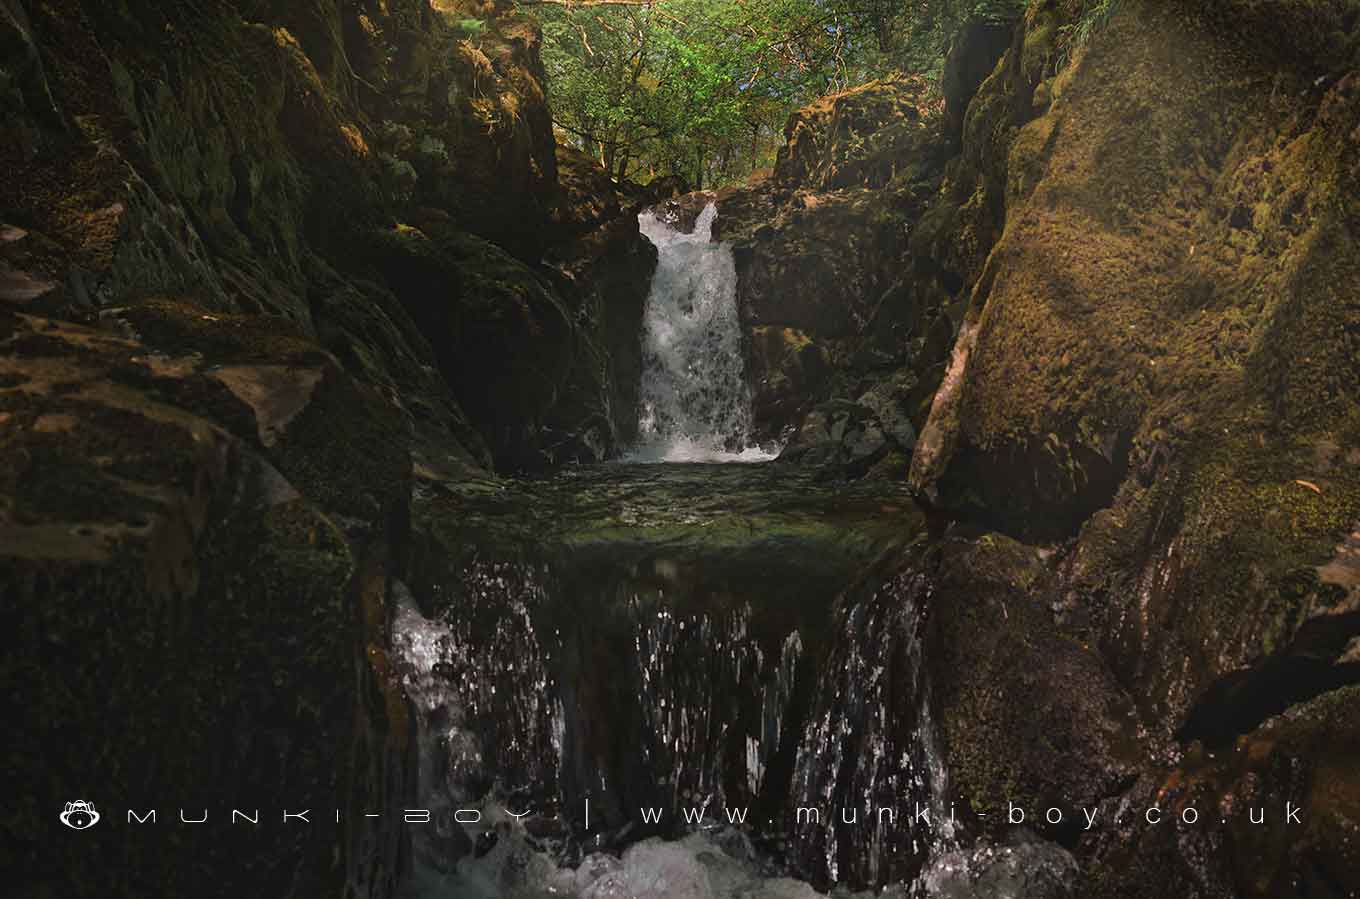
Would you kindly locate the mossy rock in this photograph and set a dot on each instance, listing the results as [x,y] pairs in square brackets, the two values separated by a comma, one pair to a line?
[338,440]
[503,337]
[855,138]
[1028,714]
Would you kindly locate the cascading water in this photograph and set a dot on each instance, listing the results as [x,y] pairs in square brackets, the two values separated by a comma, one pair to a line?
[695,402]
[870,746]
[488,724]
[693,639]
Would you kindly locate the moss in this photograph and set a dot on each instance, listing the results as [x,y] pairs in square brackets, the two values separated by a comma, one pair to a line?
[179,327]
[1017,700]
[1124,304]
[349,450]
[1267,569]
[855,138]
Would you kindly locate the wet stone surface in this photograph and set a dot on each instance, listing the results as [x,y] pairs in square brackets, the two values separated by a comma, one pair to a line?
[659,631]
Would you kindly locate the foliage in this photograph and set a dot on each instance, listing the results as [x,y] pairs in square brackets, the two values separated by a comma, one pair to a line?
[1092,19]
[702,88]
[472,27]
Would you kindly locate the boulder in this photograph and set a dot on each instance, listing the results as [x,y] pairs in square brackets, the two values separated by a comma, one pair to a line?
[838,437]
[821,248]
[1171,390]
[1028,714]
[856,138]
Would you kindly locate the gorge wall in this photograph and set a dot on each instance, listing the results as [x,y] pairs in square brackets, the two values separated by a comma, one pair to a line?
[264,269]
[1101,312]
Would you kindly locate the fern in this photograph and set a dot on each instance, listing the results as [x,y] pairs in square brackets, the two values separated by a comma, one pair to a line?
[1074,36]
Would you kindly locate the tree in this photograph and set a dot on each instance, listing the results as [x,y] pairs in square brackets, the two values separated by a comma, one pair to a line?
[702,88]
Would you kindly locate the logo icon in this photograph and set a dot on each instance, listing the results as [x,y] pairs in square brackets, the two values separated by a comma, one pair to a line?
[79,815]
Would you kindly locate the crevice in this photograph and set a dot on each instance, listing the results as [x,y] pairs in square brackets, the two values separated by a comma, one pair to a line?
[1239,702]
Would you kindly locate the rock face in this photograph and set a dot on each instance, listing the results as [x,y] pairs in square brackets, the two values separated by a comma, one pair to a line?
[330,173]
[194,547]
[825,289]
[265,267]
[1129,267]
[1212,426]
[1155,380]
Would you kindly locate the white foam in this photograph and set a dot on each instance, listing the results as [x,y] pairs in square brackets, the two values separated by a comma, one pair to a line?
[695,402]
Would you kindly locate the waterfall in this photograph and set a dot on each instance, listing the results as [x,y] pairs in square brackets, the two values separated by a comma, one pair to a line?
[673,637]
[695,402]
[488,723]
[870,743]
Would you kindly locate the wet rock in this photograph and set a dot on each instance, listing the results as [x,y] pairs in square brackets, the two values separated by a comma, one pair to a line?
[1244,841]
[871,741]
[838,436]
[1024,870]
[683,211]
[1027,714]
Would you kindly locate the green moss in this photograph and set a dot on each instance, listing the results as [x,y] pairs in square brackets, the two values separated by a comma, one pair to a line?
[349,451]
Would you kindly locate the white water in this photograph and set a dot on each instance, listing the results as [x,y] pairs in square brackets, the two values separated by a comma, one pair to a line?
[695,403]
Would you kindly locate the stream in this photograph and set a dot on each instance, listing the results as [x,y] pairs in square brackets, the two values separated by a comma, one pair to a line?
[686,680]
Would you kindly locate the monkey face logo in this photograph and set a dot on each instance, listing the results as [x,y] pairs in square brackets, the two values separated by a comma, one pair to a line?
[79,815]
